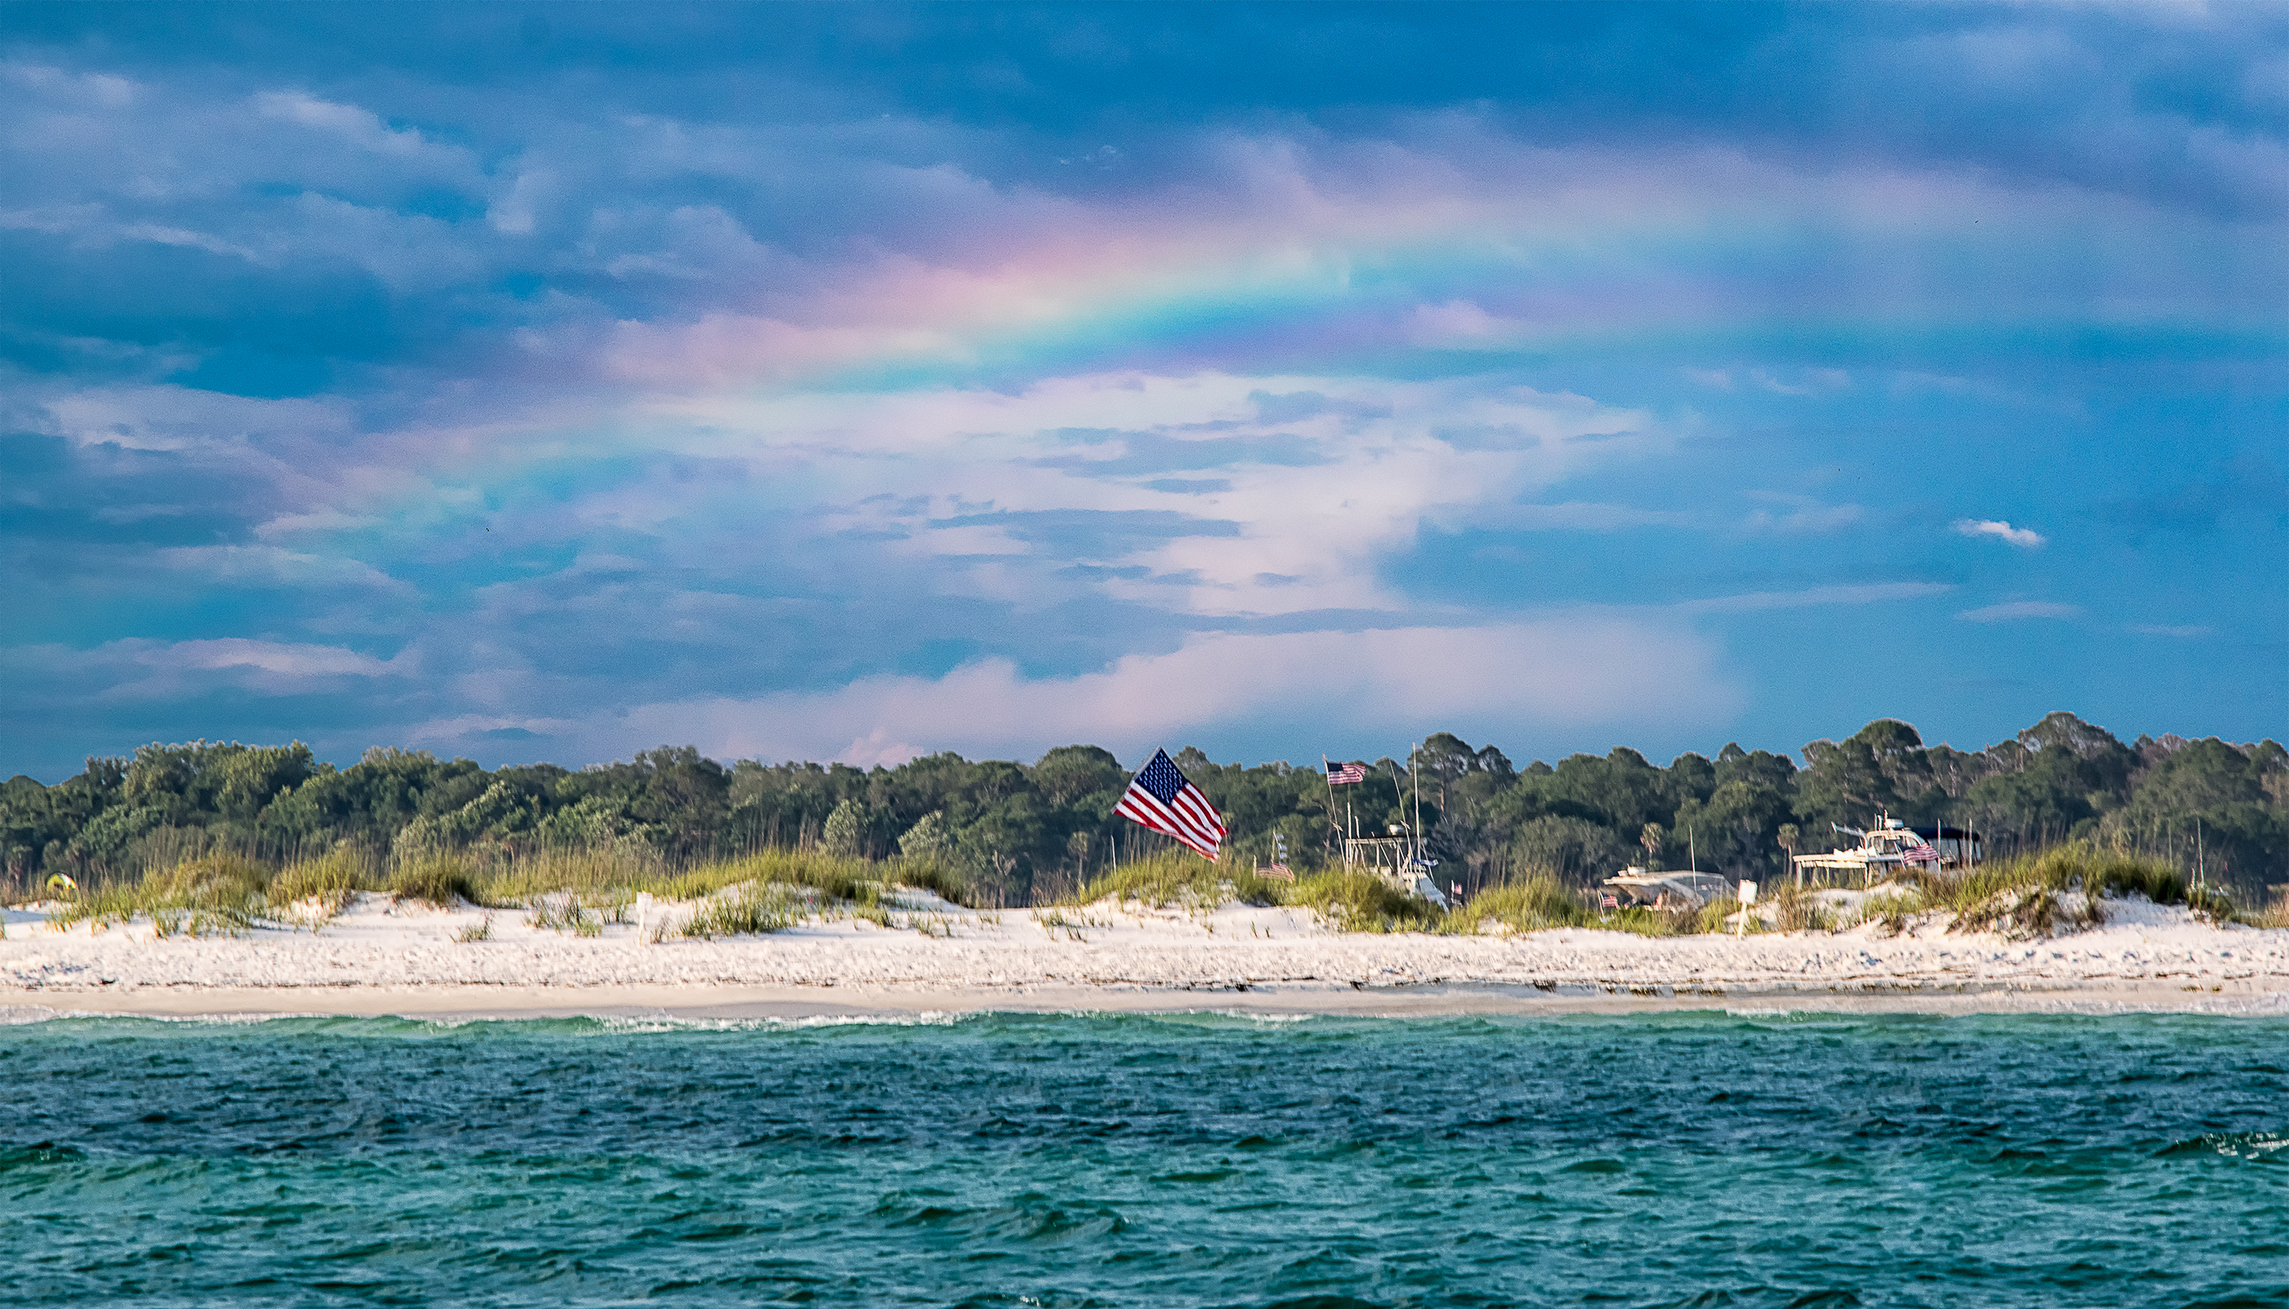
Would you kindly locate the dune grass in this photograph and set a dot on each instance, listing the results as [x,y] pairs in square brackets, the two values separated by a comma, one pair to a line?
[2061,888]
[439,880]
[218,894]
[584,871]
[2273,913]
[581,891]
[1177,877]
[1352,901]
[752,909]
[1363,902]
[1530,906]
[2024,895]
[566,890]
[325,883]
[1795,909]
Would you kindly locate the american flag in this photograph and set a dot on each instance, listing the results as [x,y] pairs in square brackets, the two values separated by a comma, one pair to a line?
[1919,851]
[1345,774]
[1160,798]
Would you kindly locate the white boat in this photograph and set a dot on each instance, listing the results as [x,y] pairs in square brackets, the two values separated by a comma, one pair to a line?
[1894,847]
[1399,860]
[1634,887]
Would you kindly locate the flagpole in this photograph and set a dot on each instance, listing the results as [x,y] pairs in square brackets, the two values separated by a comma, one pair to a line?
[1415,767]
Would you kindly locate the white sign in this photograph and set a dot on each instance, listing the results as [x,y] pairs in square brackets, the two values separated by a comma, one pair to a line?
[1748,893]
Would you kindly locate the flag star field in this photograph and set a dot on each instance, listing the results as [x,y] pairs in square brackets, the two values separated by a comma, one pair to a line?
[860,381]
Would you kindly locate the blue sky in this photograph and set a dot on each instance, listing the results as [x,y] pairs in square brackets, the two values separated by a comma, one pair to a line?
[551,382]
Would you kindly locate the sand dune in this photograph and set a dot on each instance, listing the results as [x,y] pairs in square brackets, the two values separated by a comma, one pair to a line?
[379,956]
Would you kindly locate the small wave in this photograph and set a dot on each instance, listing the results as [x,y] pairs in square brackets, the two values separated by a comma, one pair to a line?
[775,1023]
[45,1152]
[34,1015]
[2233,1145]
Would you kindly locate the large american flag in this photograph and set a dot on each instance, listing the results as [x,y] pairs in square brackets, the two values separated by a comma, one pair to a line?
[1345,774]
[1160,798]
[1919,851]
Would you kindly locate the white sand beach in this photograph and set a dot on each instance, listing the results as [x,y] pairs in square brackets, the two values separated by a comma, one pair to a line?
[380,956]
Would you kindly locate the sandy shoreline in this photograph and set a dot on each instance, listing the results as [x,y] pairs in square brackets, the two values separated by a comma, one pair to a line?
[384,958]
[696,1004]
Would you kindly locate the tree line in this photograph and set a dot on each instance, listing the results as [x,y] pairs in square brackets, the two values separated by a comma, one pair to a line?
[1028,832]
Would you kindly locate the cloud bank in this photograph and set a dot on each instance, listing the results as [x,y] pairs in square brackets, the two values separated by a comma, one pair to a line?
[882,387]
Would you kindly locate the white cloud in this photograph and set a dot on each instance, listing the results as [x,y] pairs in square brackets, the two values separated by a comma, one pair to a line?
[1507,679]
[183,419]
[137,668]
[1584,516]
[1806,519]
[514,213]
[86,90]
[448,730]
[1304,479]
[2018,609]
[289,660]
[360,127]
[1462,325]
[1810,381]
[2023,537]
[269,565]
[318,522]
[161,234]
[1866,593]
[119,515]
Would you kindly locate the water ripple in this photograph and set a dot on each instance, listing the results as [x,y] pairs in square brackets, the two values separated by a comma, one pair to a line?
[1204,1159]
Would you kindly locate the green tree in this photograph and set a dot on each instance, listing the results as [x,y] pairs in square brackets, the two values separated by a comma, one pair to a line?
[1738,827]
[845,834]
[1652,836]
[928,838]
[1070,774]
[1853,782]
[1620,791]
[1570,850]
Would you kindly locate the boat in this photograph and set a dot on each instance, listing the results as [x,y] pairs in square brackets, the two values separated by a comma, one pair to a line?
[1891,847]
[1635,888]
[1399,860]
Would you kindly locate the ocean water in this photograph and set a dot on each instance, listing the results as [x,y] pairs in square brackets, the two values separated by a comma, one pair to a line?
[1683,1159]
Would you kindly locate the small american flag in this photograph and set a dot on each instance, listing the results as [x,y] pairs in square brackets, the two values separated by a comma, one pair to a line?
[1919,851]
[1346,774]
[1160,798]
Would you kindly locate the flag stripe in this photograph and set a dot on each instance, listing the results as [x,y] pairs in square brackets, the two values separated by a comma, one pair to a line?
[1160,823]
[1184,813]
[1152,814]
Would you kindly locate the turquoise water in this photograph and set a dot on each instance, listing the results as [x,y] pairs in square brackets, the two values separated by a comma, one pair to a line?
[1191,1160]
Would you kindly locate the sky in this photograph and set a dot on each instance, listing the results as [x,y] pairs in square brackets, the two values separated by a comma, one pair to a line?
[855,382]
